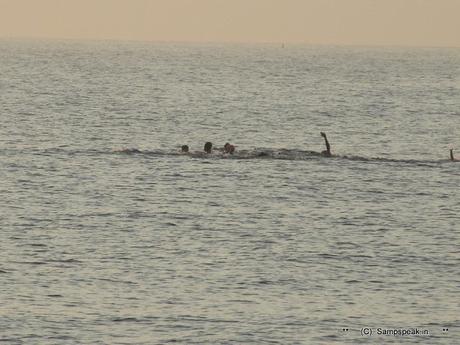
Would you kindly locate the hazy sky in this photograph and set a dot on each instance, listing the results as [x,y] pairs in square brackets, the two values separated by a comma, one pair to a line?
[362,22]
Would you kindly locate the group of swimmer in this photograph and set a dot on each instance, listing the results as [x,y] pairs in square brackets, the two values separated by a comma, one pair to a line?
[230,149]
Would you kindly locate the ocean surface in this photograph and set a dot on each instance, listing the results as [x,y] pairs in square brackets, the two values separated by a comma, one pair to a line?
[109,235]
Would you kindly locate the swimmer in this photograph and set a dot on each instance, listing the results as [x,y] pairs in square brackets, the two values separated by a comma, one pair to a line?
[184,148]
[229,148]
[208,147]
[326,152]
[452,155]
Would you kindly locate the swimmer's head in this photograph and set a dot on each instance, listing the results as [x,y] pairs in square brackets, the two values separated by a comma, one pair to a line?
[229,148]
[208,147]
[184,148]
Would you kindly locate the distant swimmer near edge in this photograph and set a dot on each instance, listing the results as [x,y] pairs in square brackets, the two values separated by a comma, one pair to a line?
[184,148]
[326,152]
[452,155]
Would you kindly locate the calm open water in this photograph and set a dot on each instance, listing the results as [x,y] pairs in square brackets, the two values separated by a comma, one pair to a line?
[109,236]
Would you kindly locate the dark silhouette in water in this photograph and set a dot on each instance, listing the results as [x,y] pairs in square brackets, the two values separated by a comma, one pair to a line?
[327,152]
[229,148]
[208,147]
[184,148]
[452,155]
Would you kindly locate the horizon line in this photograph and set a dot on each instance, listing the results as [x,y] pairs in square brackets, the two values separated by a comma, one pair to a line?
[224,42]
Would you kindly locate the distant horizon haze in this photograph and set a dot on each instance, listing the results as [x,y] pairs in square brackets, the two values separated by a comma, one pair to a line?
[425,23]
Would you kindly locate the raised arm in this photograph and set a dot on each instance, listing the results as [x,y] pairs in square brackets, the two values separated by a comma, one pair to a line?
[328,146]
[452,155]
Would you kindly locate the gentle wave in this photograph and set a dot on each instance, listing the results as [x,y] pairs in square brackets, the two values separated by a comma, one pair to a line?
[257,153]
[281,154]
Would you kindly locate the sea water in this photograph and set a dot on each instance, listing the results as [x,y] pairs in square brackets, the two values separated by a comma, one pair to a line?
[110,236]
